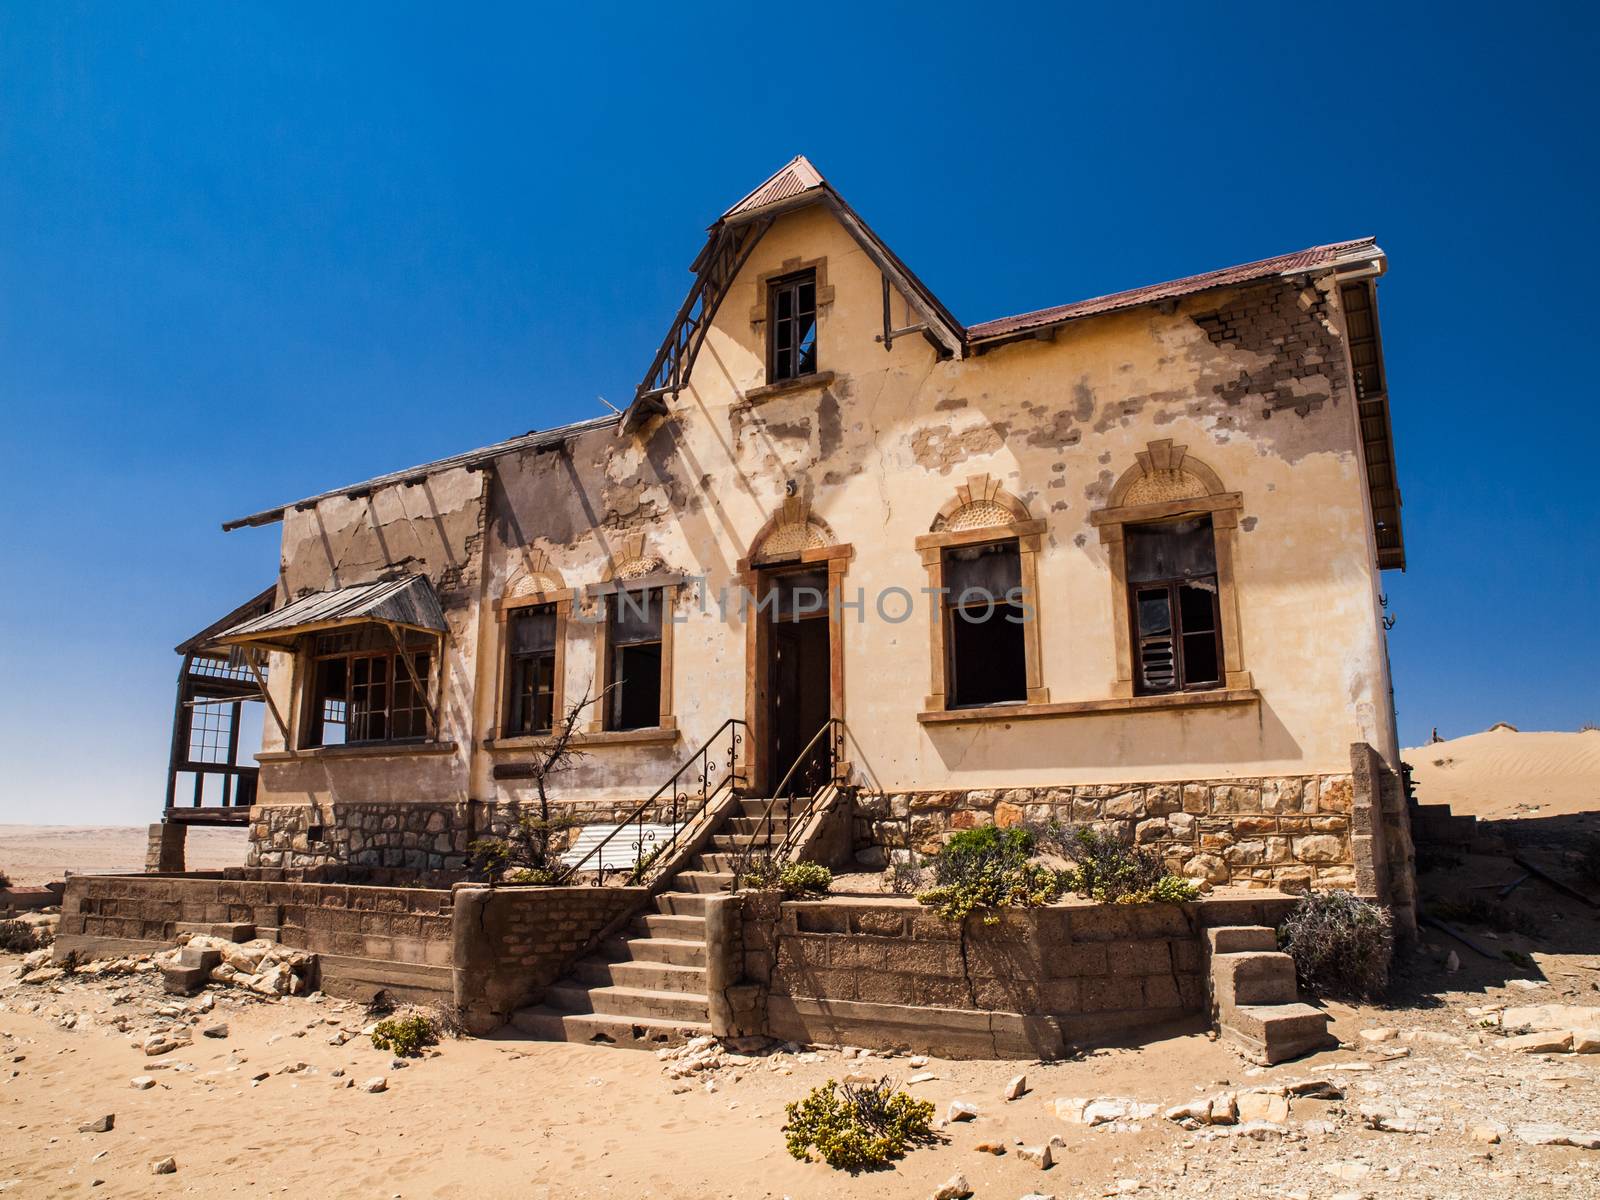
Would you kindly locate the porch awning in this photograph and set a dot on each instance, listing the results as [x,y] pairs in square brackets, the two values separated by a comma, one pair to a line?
[408,602]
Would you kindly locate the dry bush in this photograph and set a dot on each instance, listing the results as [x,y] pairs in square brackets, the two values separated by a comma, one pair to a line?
[1341,945]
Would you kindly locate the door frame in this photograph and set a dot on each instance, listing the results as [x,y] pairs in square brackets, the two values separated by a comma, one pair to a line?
[752,576]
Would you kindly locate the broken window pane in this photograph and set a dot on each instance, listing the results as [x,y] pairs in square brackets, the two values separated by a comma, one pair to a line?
[792,346]
[986,655]
[634,635]
[365,696]
[1172,583]
[531,648]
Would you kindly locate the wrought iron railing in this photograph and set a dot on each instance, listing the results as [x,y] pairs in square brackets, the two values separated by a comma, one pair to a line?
[705,775]
[813,773]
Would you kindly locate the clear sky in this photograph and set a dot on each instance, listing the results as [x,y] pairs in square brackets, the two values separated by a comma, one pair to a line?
[249,252]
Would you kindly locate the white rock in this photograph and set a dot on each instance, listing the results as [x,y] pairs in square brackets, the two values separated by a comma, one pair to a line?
[1452,962]
[916,1061]
[164,1166]
[376,1084]
[961,1110]
[1036,1156]
[1372,1037]
[923,1077]
[1557,1135]
[1016,1087]
[955,1188]
[1552,1042]
[1488,1133]
[141,1083]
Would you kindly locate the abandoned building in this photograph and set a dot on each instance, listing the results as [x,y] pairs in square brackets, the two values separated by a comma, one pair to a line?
[1115,562]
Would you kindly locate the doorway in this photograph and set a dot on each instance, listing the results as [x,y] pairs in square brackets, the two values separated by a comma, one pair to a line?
[798,671]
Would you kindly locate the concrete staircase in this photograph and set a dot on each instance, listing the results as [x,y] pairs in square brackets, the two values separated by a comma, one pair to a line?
[1254,998]
[646,987]
[1435,825]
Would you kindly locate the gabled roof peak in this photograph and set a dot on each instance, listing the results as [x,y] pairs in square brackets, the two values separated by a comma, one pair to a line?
[794,178]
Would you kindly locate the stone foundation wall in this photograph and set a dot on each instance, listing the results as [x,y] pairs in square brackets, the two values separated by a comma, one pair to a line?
[887,972]
[411,840]
[1291,833]
[512,943]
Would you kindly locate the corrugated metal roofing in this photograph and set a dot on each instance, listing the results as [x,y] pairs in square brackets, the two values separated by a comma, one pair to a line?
[1300,260]
[537,439]
[409,600]
[795,176]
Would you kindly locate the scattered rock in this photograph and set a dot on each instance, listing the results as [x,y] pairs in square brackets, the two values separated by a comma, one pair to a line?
[1037,1156]
[376,1084]
[1103,1111]
[164,1166]
[1557,1135]
[219,1030]
[917,1061]
[995,1148]
[923,1077]
[141,1083]
[1452,962]
[1017,1087]
[955,1188]
[1373,1036]
[1263,1106]
[1539,1043]
[1489,1134]
[961,1110]
[99,1124]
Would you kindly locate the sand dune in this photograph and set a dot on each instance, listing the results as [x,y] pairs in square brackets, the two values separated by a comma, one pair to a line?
[1503,773]
[40,853]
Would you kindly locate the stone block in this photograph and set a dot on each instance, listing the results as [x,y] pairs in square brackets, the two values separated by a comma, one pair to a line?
[1319,848]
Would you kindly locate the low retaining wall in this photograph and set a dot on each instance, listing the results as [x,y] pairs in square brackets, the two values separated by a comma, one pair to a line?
[512,943]
[886,972]
[479,951]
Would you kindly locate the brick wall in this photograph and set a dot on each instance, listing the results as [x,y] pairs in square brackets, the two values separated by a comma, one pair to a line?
[1290,833]
[888,972]
[513,942]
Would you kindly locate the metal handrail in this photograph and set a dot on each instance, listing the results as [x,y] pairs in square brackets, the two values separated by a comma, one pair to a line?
[709,766]
[833,726]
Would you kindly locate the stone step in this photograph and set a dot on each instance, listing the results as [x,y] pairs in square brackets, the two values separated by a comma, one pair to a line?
[735,843]
[682,904]
[628,1002]
[680,952]
[1274,1033]
[705,882]
[722,863]
[646,976]
[548,1025]
[1239,939]
[680,926]
[748,827]
[757,807]
[1252,977]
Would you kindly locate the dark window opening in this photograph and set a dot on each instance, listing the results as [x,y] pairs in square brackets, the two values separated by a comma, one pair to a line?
[986,657]
[531,653]
[363,693]
[633,635]
[792,327]
[1177,626]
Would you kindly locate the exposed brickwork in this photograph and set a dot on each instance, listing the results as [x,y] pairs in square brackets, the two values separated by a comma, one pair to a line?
[1291,833]
[1291,329]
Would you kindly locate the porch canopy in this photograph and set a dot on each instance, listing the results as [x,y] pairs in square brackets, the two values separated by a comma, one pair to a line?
[408,602]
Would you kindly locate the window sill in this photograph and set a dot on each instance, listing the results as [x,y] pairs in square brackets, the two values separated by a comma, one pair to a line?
[1221,698]
[801,383]
[374,750]
[654,735]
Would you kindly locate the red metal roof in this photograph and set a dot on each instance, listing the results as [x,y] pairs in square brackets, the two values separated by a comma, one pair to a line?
[795,176]
[1283,264]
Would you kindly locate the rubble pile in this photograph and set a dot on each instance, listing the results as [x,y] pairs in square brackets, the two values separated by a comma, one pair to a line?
[259,966]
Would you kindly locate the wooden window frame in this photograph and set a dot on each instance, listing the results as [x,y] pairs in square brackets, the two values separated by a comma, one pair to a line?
[561,600]
[1224,508]
[667,721]
[1029,536]
[775,287]
[426,687]
[1179,636]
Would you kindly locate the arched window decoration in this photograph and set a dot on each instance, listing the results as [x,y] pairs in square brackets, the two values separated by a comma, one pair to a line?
[981,555]
[532,617]
[1169,529]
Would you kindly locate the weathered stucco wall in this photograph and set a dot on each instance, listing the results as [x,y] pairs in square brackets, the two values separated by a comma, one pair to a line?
[1252,381]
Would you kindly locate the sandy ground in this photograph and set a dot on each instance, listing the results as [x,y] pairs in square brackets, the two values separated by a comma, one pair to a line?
[33,854]
[1502,774]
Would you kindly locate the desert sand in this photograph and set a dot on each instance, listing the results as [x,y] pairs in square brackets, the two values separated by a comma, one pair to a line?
[1501,773]
[34,854]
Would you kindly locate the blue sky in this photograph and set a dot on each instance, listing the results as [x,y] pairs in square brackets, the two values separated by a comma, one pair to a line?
[248,252]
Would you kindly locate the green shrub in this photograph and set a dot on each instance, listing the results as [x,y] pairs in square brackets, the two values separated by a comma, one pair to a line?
[857,1127]
[531,877]
[18,937]
[987,869]
[1106,870]
[407,1035]
[805,879]
[1341,945]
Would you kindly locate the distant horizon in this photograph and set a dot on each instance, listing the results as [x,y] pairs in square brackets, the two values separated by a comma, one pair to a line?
[248,255]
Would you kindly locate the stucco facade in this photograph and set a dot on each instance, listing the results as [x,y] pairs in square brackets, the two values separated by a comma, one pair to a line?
[1233,400]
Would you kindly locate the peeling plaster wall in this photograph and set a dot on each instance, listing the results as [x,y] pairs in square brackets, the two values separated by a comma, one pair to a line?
[1253,381]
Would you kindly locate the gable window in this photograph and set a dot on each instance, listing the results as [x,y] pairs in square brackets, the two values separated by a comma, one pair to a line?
[633,640]
[1173,600]
[987,660]
[792,327]
[531,669]
[364,690]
